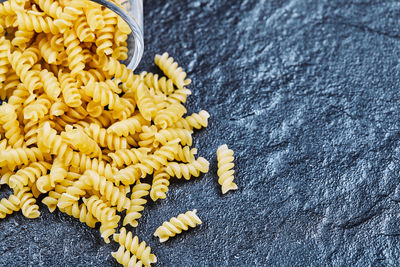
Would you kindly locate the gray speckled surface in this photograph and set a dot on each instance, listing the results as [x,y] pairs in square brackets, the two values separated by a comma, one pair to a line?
[307,94]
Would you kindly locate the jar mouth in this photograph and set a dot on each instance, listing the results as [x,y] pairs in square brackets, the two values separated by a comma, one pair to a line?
[135,39]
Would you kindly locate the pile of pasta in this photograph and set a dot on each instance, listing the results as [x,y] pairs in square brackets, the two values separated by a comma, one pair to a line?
[80,128]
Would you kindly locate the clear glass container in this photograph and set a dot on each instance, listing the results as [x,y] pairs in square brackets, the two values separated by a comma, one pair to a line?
[132,13]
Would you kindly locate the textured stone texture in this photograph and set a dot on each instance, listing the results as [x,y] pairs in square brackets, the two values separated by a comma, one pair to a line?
[307,94]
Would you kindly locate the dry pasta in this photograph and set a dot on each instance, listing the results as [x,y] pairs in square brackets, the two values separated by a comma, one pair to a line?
[80,128]
[225,169]
[177,224]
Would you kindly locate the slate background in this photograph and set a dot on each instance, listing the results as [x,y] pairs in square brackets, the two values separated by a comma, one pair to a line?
[306,92]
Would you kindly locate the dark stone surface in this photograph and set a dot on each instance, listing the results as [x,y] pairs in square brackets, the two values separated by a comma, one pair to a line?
[307,94]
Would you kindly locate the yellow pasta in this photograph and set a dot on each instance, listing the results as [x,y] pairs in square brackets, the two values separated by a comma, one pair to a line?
[133,213]
[225,169]
[201,165]
[160,185]
[10,124]
[131,243]
[8,206]
[84,130]
[177,224]
[125,259]
[171,69]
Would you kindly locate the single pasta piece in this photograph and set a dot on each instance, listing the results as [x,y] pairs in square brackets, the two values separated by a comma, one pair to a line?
[74,52]
[131,243]
[70,90]
[37,23]
[133,213]
[50,84]
[145,102]
[225,169]
[38,109]
[160,185]
[169,134]
[128,127]
[103,213]
[8,206]
[167,117]
[80,141]
[9,122]
[58,171]
[196,120]
[104,139]
[20,156]
[81,212]
[176,225]
[201,165]
[171,69]
[22,68]
[28,174]
[27,203]
[4,66]
[124,257]
[128,156]
[185,154]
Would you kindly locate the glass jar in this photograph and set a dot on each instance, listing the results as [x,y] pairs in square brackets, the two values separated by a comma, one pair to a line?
[132,13]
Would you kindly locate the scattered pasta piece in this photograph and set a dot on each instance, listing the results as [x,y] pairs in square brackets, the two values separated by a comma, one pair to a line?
[225,169]
[177,224]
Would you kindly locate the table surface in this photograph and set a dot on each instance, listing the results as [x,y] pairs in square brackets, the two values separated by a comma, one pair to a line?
[307,94]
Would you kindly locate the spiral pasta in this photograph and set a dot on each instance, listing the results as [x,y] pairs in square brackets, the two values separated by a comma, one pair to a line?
[102,93]
[84,162]
[131,243]
[30,78]
[8,206]
[74,52]
[81,212]
[128,126]
[167,117]
[94,16]
[160,185]
[104,139]
[104,214]
[37,23]
[78,139]
[31,173]
[185,154]
[50,84]
[105,36]
[196,120]
[225,169]
[4,65]
[10,124]
[70,90]
[27,203]
[169,134]
[128,156]
[38,109]
[161,85]
[177,224]
[107,189]
[201,165]
[58,171]
[20,156]
[145,102]
[83,31]
[124,257]
[134,212]
[171,69]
